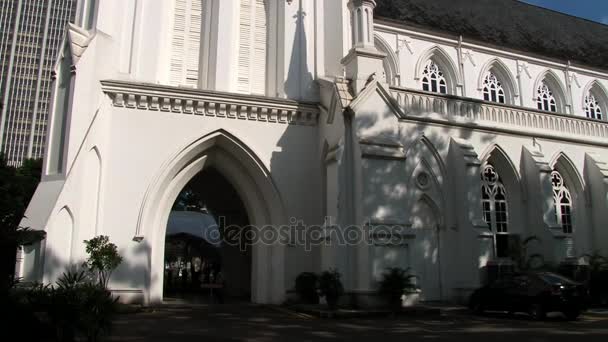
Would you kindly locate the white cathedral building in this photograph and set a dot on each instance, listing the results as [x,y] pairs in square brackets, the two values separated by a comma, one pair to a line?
[435,133]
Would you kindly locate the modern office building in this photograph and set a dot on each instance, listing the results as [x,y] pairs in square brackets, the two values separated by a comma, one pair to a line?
[31,32]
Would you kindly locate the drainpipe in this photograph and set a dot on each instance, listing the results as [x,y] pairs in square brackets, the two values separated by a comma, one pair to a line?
[519,67]
[461,67]
[569,105]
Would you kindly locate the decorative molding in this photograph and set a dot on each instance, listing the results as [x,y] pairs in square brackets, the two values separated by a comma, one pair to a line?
[477,114]
[78,40]
[381,148]
[151,97]
[333,154]
[469,55]
[539,158]
[601,164]
[523,66]
[468,152]
[404,41]
[386,233]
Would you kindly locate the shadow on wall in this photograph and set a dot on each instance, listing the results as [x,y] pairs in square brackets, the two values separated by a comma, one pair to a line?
[298,146]
[299,83]
[444,252]
[127,281]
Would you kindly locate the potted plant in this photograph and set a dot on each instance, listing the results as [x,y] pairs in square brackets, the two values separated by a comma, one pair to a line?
[395,283]
[306,287]
[331,287]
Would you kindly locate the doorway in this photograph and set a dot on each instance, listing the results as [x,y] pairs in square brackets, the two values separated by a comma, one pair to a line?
[207,245]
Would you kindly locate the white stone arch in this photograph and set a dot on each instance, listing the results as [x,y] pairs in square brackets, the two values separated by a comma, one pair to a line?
[390,62]
[253,182]
[445,62]
[511,180]
[59,244]
[424,147]
[423,155]
[94,152]
[568,169]
[498,154]
[601,95]
[506,78]
[579,201]
[556,86]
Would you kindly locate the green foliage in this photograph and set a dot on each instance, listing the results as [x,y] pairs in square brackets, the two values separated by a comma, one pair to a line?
[103,258]
[17,186]
[520,253]
[598,278]
[330,286]
[397,281]
[306,287]
[188,199]
[74,307]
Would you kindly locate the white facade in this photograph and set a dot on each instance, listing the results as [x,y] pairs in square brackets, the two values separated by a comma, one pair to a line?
[317,122]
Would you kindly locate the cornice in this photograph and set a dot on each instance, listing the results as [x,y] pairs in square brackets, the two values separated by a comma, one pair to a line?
[153,97]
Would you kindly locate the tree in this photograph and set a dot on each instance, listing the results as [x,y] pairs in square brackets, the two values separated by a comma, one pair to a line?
[17,186]
[103,258]
[520,253]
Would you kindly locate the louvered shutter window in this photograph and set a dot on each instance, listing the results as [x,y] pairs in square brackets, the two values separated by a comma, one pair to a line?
[185,42]
[251,76]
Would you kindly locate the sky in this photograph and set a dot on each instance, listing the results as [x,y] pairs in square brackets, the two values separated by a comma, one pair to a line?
[596,10]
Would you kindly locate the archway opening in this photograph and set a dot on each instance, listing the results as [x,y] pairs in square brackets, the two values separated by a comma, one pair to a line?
[207,252]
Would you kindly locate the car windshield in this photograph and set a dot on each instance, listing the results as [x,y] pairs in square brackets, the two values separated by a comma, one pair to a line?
[553,278]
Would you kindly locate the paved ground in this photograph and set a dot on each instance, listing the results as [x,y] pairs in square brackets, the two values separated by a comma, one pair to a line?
[232,322]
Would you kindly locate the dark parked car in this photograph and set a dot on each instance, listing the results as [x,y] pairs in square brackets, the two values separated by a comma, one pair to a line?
[533,293]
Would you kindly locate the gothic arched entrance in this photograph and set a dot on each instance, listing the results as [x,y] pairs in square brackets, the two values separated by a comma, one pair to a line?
[234,161]
[207,242]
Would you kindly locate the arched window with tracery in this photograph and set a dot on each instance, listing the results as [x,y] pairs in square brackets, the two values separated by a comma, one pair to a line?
[593,110]
[545,99]
[495,208]
[433,79]
[563,202]
[492,89]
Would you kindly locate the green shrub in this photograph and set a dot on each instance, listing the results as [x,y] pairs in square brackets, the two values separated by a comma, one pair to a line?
[330,286]
[306,287]
[395,283]
[74,307]
[103,258]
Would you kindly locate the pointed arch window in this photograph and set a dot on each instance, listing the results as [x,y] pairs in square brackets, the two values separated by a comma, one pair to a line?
[593,110]
[433,79]
[563,202]
[492,89]
[495,208]
[545,99]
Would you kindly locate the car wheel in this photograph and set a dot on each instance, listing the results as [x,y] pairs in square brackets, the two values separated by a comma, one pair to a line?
[572,314]
[537,312]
